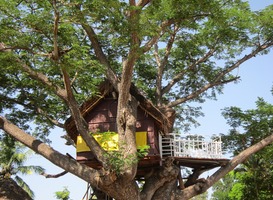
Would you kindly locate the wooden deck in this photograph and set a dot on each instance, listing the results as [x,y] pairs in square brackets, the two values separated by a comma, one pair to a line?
[149,163]
[201,163]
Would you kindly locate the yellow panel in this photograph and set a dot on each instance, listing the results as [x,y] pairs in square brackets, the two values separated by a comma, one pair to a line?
[109,142]
[141,138]
[81,145]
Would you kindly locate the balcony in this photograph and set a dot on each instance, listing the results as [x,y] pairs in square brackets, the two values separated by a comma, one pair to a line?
[192,146]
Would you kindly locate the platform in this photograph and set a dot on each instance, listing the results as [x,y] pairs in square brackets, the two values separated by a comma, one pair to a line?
[191,151]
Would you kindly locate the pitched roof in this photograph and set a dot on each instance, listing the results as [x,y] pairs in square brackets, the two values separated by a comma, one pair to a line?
[105,89]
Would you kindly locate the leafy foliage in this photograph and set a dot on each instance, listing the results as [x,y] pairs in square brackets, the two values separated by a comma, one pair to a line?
[12,158]
[118,162]
[178,52]
[206,33]
[222,189]
[63,195]
[252,180]
[248,127]
[143,151]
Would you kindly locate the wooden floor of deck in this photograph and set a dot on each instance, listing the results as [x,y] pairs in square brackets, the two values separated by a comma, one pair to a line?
[200,163]
[150,163]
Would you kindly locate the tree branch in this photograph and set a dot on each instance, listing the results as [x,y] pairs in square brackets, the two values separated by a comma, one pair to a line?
[143,3]
[80,122]
[127,104]
[67,95]
[53,175]
[132,2]
[98,178]
[55,55]
[192,179]
[198,92]
[244,59]
[53,121]
[43,79]
[180,75]
[105,180]
[146,47]
[129,62]
[161,30]
[110,74]
[32,107]
[217,81]
[161,64]
[201,187]
[50,55]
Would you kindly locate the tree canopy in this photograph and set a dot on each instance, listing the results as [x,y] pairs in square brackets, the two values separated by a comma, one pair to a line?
[253,178]
[54,53]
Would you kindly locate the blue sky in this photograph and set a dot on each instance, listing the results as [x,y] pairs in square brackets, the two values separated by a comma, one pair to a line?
[256,81]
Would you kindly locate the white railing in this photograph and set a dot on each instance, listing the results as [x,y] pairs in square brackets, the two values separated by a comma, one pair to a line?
[177,146]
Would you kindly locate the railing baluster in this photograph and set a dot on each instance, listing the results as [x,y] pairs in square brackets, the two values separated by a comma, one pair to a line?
[176,146]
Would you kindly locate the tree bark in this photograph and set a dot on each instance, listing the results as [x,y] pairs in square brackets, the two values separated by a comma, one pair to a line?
[159,179]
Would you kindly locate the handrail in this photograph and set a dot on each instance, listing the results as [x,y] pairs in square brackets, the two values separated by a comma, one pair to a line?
[177,146]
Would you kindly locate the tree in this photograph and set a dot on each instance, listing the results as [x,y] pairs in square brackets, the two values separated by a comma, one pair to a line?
[63,195]
[54,53]
[222,188]
[253,178]
[12,158]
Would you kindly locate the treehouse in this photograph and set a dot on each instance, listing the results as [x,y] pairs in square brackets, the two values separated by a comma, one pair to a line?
[152,127]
